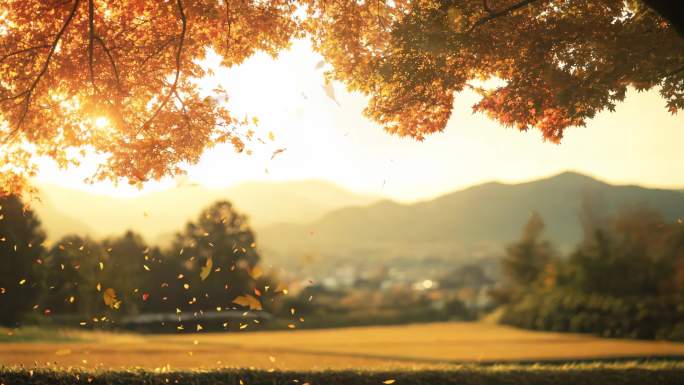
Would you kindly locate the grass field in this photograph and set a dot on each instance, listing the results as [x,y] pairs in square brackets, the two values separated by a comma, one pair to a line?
[584,374]
[407,347]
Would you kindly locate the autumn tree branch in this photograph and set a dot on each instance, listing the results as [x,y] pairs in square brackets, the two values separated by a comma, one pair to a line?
[496,14]
[29,91]
[673,72]
[112,62]
[91,40]
[485,5]
[179,53]
[24,50]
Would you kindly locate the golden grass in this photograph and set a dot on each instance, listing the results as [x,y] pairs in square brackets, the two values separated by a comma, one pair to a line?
[419,346]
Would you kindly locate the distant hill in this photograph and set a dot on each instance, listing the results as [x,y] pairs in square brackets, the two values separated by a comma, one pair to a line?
[475,221]
[298,221]
[158,215]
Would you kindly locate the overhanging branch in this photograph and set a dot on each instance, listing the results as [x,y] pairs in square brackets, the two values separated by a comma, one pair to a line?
[179,53]
[29,91]
[504,12]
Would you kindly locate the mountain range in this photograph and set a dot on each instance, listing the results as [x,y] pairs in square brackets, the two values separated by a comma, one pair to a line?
[476,221]
[157,215]
[314,218]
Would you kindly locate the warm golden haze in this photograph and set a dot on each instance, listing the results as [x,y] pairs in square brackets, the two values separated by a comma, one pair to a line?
[335,192]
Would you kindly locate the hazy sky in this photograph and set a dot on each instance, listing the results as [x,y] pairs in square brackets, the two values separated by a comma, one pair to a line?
[640,143]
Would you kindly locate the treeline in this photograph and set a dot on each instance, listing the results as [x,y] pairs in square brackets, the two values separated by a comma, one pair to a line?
[81,281]
[624,279]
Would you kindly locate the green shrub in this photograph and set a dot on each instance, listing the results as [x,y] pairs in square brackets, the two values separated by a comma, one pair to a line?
[564,310]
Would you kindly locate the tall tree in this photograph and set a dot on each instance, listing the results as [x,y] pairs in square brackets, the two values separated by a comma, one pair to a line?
[527,260]
[633,254]
[128,266]
[119,79]
[72,273]
[21,253]
[219,258]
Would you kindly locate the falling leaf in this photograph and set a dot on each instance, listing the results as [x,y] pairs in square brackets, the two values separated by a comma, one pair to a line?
[145,297]
[101,266]
[256,272]
[320,64]
[330,91]
[206,269]
[276,152]
[110,300]
[22,281]
[271,136]
[146,267]
[388,382]
[248,300]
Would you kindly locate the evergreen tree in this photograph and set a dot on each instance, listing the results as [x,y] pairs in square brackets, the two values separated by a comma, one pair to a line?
[21,253]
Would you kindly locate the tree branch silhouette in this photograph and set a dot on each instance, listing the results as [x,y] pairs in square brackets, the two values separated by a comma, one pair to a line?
[29,91]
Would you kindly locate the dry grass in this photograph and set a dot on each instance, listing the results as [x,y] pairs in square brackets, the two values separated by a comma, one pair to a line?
[422,346]
[627,373]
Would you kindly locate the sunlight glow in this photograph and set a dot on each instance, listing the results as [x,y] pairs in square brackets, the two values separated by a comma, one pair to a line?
[330,139]
[101,122]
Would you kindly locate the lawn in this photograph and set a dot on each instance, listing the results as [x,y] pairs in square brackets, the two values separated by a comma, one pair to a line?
[407,347]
